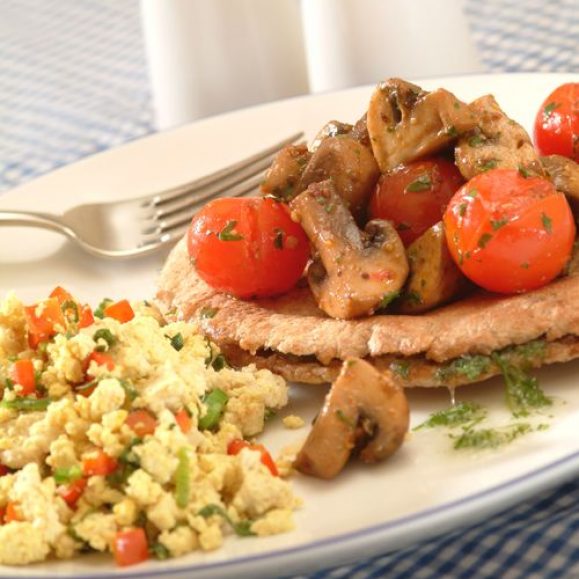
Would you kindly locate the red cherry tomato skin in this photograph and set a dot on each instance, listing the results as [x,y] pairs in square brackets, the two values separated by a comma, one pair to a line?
[556,129]
[507,233]
[248,247]
[130,547]
[414,196]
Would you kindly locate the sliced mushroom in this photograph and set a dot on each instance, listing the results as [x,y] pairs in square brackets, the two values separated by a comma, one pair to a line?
[497,141]
[365,412]
[285,172]
[351,167]
[330,129]
[434,278]
[406,122]
[564,173]
[353,270]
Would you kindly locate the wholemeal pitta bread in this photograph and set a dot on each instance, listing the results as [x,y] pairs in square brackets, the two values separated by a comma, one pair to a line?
[291,336]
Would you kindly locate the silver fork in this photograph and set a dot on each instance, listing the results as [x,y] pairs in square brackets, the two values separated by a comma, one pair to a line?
[136,227]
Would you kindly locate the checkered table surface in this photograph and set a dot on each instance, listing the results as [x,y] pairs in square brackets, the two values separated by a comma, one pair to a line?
[73,82]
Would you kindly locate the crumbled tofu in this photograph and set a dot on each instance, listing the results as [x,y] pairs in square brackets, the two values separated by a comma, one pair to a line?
[294,422]
[86,467]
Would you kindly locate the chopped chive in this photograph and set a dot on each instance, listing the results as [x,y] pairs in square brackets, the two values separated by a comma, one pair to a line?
[106,335]
[182,479]
[215,402]
[547,223]
[242,529]
[387,299]
[70,306]
[100,310]
[177,341]
[26,404]
[64,475]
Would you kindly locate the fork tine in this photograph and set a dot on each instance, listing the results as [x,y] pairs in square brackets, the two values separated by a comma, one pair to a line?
[219,177]
[183,216]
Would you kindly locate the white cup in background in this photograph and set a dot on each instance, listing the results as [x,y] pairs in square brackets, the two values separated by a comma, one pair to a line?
[210,56]
[355,42]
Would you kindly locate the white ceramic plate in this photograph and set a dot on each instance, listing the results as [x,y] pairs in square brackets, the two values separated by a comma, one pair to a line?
[427,488]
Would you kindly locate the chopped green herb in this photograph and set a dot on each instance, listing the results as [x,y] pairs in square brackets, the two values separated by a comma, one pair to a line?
[490,438]
[177,341]
[401,368]
[215,402]
[547,223]
[488,165]
[341,416]
[549,108]
[159,551]
[524,172]
[484,239]
[451,131]
[476,140]
[530,351]
[522,390]
[207,312]
[219,362]
[9,384]
[387,299]
[498,223]
[278,239]
[413,297]
[26,404]
[471,366]
[457,415]
[64,475]
[402,226]
[422,183]
[268,414]
[182,478]
[242,528]
[228,233]
[70,311]
[128,461]
[130,392]
[106,335]
[462,209]
[456,105]
[100,311]
[472,193]
[525,265]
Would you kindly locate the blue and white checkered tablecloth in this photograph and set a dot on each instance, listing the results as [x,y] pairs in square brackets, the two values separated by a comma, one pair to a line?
[73,82]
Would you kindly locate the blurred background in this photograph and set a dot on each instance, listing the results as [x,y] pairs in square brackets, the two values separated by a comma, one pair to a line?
[78,77]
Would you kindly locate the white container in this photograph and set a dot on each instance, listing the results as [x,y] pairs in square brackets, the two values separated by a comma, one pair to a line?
[210,56]
[355,42]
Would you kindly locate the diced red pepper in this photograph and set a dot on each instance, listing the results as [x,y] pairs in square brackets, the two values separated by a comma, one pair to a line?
[72,491]
[101,359]
[4,470]
[183,420]
[237,445]
[141,422]
[22,373]
[86,317]
[99,463]
[120,311]
[13,513]
[130,547]
[43,321]
[61,295]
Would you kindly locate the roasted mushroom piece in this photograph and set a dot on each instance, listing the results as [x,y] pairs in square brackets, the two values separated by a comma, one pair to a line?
[351,167]
[406,123]
[285,172]
[365,412]
[353,271]
[497,141]
[330,129]
[564,173]
[434,278]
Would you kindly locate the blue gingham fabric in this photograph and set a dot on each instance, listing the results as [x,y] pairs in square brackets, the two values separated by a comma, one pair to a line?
[73,82]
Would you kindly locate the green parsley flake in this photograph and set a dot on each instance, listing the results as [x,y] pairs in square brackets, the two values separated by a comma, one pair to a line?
[498,223]
[387,299]
[228,233]
[401,368]
[241,528]
[422,183]
[207,312]
[457,415]
[547,223]
[489,437]
[484,239]
[549,108]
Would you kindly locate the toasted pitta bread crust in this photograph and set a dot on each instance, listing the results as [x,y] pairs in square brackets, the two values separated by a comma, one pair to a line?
[292,336]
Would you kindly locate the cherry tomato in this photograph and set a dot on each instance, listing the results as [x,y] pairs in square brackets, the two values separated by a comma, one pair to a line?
[414,196]
[248,247]
[557,122]
[130,547]
[237,445]
[508,233]
[141,422]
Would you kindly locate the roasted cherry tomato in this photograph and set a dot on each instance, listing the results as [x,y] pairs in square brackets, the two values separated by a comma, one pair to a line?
[557,122]
[248,247]
[414,196]
[130,547]
[508,233]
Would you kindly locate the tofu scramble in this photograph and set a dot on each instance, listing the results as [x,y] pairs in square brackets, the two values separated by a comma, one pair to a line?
[121,432]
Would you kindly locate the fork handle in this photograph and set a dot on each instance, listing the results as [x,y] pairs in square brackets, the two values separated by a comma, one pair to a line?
[42,220]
